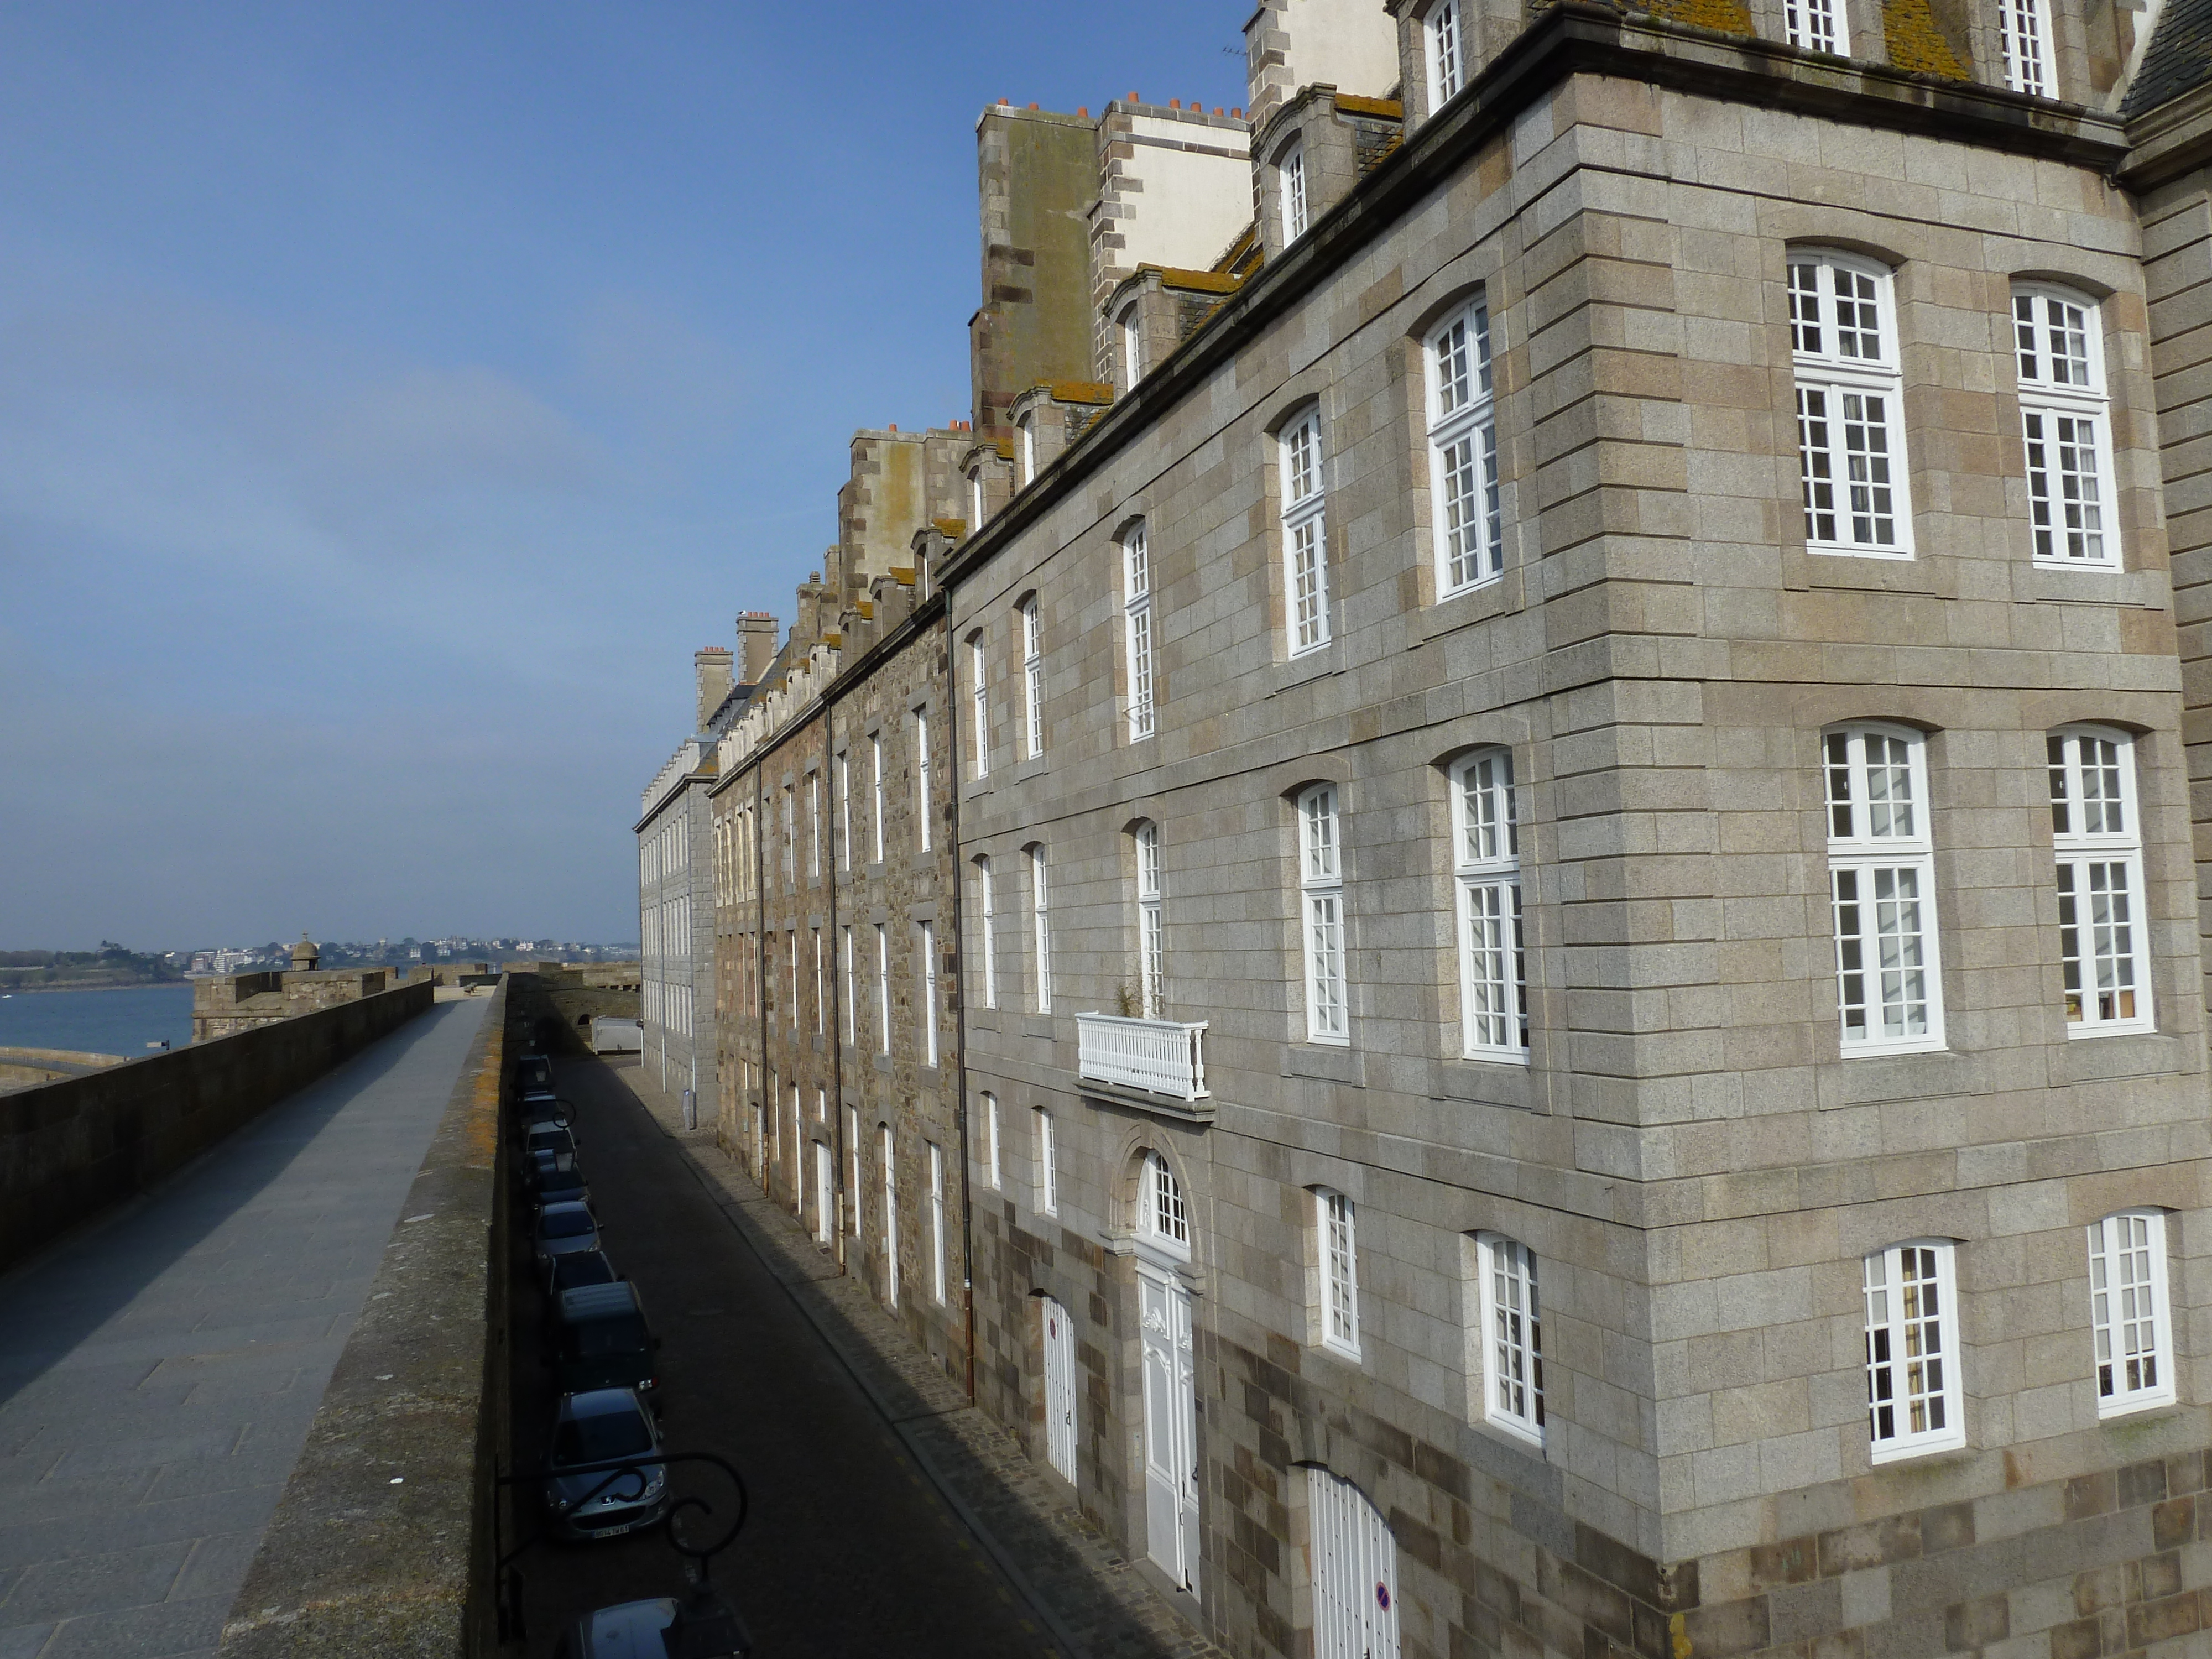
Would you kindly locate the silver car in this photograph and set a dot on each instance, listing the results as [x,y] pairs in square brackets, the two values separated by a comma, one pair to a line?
[652,1630]
[599,1427]
[563,1229]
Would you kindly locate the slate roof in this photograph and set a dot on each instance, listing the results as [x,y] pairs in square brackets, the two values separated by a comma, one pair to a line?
[2179,57]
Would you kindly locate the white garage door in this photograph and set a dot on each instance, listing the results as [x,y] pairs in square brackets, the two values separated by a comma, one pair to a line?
[1355,1573]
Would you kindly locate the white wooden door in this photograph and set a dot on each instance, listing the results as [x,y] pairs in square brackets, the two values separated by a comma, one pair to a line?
[1059,1389]
[824,1199]
[1170,1426]
[1355,1573]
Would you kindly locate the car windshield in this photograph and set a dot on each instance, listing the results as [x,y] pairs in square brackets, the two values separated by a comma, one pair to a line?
[585,1267]
[602,1338]
[594,1439]
[568,1223]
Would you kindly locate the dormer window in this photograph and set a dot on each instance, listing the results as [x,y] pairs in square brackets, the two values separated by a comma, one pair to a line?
[1025,446]
[974,500]
[1291,174]
[1447,60]
[2025,25]
[1133,345]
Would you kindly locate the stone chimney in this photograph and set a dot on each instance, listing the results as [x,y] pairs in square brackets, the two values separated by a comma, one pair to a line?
[755,644]
[712,665]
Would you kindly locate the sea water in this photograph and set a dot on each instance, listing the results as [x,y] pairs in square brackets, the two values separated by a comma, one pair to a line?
[118,1022]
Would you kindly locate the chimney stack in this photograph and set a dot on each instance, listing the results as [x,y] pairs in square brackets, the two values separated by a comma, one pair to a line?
[713,666]
[755,644]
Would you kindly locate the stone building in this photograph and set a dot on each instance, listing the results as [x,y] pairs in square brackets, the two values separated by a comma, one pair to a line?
[1567,842]
[225,1003]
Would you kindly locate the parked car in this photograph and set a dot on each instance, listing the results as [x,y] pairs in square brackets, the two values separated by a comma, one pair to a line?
[600,1339]
[594,1427]
[539,1111]
[533,1071]
[566,1272]
[548,1136]
[556,1180]
[563,1229]
[651,1630]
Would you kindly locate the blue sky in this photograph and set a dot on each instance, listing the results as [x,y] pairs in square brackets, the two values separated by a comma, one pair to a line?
[392,397]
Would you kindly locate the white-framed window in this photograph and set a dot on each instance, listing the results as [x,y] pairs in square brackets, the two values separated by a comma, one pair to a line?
[813,823]
[844,788]
[851,998]
[891,1218]
[1913,1395]
[1447,53]
[1509,1358]
[979,692]
[1463,452]
[2066,421]
[1048,1162]
[875,794]
[821,989]
[1041,930]
[1290,180]
[936,1221]
[1336,1256]
[986,929]
[1152,927]
[797,1156]
[993,1168]
[974,499]
[1137,616]
[1814,25]
[1025,446]
[1133,345]
[853,1168]
[927,944]
[1486,856]
[1851,415]
[2025,25]
[1881,875]
[1305,535]
[1320,882]
[2129,1320]
[791,951]
[2097,837]
[882,988]
[1032,678]
[922,775]
[1162,1214]
[790,837]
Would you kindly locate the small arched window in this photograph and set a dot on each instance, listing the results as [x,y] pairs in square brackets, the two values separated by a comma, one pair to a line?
[1850,420]
[1291,180]
[1025,445]
[1133,346]
[1486,860]
[1162,1214]
[1463,452]
[2066,421]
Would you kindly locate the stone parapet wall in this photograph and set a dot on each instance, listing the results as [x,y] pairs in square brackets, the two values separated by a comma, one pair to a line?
[73,1149]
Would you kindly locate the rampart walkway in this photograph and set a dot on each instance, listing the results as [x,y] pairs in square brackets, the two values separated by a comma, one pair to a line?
[158,1374]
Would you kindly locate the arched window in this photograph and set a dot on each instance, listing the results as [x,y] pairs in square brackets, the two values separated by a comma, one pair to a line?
[1446,53]
[1032,677]
[979,692]
[1133,346]
[1041,927]
[1162,1214]
[986,929]
[1137,611]
[1336,1256]
[974,499]
[1486,857]
[1305,534]
[1913,1395]
[1511,1337]
[2130,1328]
[1882,873]
[2065,418]
[1850,428]
[2025,26]
[1463,452]
[2097,837]
[1321,880]
[1025,447]
[1152,925]
[1290,180]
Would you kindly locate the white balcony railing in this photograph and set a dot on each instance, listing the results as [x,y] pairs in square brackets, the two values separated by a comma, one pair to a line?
[1159,1057]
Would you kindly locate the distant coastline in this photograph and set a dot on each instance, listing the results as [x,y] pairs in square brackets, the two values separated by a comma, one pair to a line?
[8,990]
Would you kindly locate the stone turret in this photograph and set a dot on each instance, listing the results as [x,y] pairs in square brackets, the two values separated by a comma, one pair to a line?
[306,955]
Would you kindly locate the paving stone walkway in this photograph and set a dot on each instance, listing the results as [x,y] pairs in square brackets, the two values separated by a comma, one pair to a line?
[1097,1603]
[159,1372]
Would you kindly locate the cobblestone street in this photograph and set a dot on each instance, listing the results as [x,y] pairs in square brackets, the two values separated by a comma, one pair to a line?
[887,1515]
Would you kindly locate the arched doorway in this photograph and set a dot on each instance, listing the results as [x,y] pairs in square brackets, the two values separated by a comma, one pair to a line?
[1170,1372]
[1355,1571]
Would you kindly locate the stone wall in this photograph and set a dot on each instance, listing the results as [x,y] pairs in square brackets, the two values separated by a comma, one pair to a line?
[73,1149]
